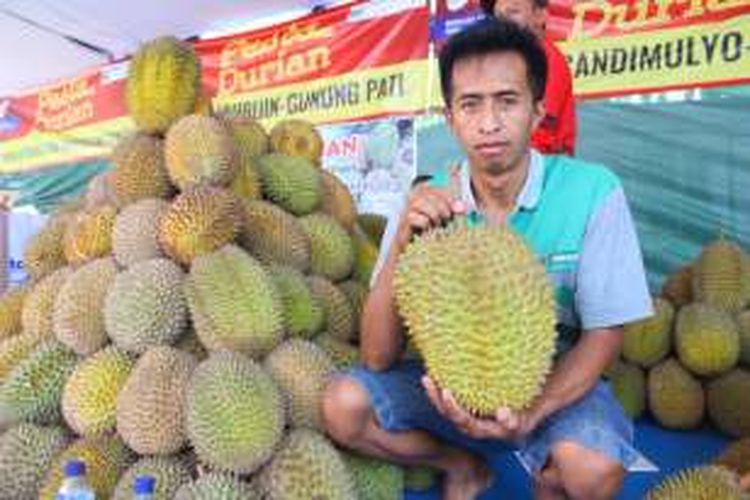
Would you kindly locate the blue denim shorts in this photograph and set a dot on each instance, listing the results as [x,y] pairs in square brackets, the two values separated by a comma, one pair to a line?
[596,422]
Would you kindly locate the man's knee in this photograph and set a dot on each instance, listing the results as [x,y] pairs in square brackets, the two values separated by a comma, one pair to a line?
[346,408]
[585,473]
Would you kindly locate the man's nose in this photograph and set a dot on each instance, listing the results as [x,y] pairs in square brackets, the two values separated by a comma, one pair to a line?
[490,120]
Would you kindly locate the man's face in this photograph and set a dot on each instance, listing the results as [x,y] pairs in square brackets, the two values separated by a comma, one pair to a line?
[492,111]
[523,12]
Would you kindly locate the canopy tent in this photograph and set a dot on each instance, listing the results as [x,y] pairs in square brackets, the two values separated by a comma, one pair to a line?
[44,41]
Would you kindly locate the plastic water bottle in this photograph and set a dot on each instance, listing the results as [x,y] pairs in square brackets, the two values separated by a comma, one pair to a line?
[143,488]
[74,486]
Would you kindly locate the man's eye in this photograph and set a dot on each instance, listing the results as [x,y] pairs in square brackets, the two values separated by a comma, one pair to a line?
[469,105]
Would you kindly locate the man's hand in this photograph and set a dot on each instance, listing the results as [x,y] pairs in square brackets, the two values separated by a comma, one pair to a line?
[427,207]
[507,424]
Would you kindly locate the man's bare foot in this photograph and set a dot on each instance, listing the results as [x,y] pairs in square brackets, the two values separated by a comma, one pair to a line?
[466,479]
[745,482]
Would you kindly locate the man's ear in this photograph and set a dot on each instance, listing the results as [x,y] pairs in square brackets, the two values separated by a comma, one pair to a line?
[448,114]
[539,113]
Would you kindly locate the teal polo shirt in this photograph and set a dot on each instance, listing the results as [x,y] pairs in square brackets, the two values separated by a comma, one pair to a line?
[575,217]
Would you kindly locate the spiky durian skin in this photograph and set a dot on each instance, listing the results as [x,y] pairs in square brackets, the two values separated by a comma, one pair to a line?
[376,479]
[151,407]
[170,474]
[106,458]
[699,483]
[90,393]
[13,350]
[164,82]
[629,385]
[337,200]
[340,322]
[199,221]
[274,236]
[26,452]
[718,277]
[476,301]
[304,316]
[307,466]
[89,235]
[736,456]
[647,341]
[357,293]
[78,316]
[675,397]
[44,252]
[678,287]
[297,138]
[32,391]
[249,135]
[135,236]
[233,303]
[11,307]
[301,369]
[39,305]
[292,183]
[331,250]
[146,306]
[706,339]
[728,402]
[343,354]
[199,150]
[139,169]
[235,413]
[216,486]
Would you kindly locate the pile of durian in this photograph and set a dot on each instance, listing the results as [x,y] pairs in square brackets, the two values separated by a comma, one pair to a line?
[183,317]
[690,362]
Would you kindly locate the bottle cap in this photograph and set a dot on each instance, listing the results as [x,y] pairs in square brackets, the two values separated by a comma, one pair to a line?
[75,468]
[144,485]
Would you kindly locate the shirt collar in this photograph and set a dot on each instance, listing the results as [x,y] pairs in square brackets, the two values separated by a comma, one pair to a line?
[528,197]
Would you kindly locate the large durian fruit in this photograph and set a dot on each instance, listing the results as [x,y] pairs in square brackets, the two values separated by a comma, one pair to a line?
[140,170]
[297,138]
[26,452]
[199,221]
[291,182]
[164,83]
[170,474]
[475,300]
[200,151]
[89,397]
[233,303]
[78,315]
[151,405]
[235,413]
[699,483]
[718,277]
[216,486]
[89,235]
[11,310]
[728,402]
[647,341]
[629,385]
[307,466]
[743,324]
[706,339]
[675,397]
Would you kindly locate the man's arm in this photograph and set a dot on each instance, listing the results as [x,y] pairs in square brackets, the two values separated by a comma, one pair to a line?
[579,371]
[382,337]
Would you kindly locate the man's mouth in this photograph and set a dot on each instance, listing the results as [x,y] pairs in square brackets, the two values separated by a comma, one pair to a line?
[492,148]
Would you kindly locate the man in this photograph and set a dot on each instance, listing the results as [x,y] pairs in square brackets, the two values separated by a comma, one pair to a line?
[574,438]
[556,133]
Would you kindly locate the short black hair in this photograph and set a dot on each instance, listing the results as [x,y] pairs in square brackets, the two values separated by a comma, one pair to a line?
[488,36]
[488,6]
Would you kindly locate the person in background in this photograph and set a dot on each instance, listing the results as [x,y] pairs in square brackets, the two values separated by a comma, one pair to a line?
[556,134]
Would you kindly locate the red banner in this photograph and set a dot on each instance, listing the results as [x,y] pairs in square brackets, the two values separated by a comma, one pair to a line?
[618,47]
[357,61]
